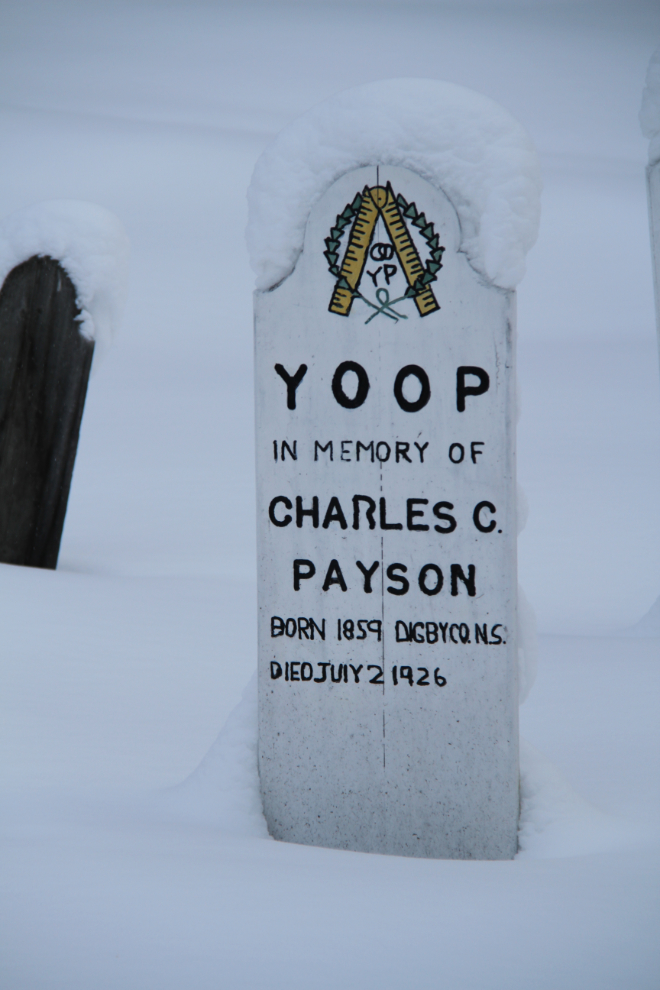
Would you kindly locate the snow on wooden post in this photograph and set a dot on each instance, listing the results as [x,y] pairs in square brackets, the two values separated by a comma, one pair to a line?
[385,398]
[48,321]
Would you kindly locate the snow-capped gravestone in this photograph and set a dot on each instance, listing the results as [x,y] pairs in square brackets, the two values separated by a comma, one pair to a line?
[386,505]
[59,265]
[650,120]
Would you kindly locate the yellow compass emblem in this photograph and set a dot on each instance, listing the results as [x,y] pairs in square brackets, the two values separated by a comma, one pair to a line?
[374,203]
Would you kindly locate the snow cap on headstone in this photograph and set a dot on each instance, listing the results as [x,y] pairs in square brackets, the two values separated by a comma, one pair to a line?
[649,115]
[91,245]
[458,140]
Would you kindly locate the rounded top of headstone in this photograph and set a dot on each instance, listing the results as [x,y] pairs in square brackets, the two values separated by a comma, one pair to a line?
[460,141]
[649,115]
[91,245]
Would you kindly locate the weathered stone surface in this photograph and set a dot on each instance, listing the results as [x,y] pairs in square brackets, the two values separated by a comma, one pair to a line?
[401,736]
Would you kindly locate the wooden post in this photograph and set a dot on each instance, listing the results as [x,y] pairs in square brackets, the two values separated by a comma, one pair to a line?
[44,369]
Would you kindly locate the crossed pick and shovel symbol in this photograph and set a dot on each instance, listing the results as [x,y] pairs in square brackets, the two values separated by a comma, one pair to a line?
[385,307]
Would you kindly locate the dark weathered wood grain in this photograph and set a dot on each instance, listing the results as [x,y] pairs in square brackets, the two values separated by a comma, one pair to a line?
[44,369]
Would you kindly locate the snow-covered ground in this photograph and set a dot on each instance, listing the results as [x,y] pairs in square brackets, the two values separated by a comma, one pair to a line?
[119,669]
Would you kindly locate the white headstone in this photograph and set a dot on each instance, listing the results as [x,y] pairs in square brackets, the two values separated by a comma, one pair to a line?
[385,379]
[388,704]
[650,121]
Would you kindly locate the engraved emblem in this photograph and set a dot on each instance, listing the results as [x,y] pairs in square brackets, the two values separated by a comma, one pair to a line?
[381,247]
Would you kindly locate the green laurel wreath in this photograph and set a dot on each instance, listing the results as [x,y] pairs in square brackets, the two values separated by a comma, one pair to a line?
[410,212]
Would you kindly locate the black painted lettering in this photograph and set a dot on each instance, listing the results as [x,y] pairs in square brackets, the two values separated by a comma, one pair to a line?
[448,520]
[367,574]
[364,446]
[303,628]
[421,450]
[439,679]
[375,626]
[401,452]
[320,630]
[463,390]
[474,453]
[393,576]
[464,632]
[423,681]
[293,452]
[369,511]
[413,632]
[394,677]
[286,671]
[406,674]
[412,513]
[345,454]
[415,371]
[430,589]
[363,632]
[457,574]
[302,571]
[286,502]
[295,676]
[340,673]
[291,628]
[334,576]
[275,670]
[362,385]
[276,626]
[383,517]
[476,517]
[313,512]
[387,450]
[481,633]
[334,514]
[432,632]
[348,629]
[401,631]
[442,626]
[306,671]
[456,453]
[495,638]
[377,678]
[292,382]
[319,446]
[356,672]
[323,677]
[453,626]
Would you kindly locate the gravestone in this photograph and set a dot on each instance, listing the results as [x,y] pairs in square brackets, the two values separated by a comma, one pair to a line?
[387,533]
[44,369]
[653,187]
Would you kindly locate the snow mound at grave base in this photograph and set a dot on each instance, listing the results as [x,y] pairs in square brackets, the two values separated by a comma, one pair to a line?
[224,792]
[224,789]
[649,115]
[648,625]
[90,244]
[555,821]
[460,141]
